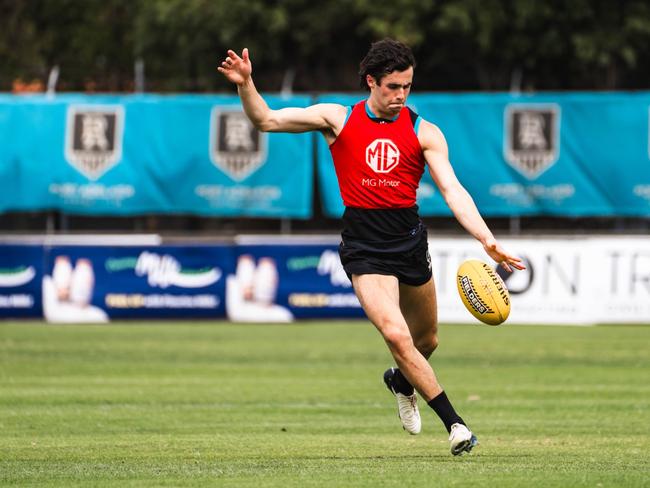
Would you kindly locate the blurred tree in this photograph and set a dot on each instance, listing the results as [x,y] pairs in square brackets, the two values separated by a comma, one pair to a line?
[88,40]
[19,52]
[459,44]
[556,44]
[613,44]
[182,41]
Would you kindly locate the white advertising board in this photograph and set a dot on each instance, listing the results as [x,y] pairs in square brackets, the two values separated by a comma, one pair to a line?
[568,280]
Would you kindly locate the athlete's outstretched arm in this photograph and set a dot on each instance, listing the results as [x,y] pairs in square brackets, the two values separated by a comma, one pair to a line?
[458,199]
[325,117]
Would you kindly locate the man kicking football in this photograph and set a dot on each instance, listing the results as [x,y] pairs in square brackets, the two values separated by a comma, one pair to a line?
[380,148]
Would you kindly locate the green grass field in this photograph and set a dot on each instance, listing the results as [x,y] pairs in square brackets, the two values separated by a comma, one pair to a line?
[217,404]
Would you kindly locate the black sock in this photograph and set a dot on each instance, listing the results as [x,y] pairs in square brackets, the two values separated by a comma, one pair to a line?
[442,406]
[401,384]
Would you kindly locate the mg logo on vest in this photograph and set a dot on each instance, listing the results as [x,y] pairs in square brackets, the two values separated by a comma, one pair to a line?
[382,155]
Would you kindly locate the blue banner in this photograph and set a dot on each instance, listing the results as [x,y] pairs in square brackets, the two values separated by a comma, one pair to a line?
[571,154]
[87,284]
[279,283]
[21,272]
[275,282]
[124,155]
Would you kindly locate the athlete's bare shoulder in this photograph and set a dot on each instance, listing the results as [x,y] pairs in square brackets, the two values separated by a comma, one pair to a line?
[334,115]
[431,137]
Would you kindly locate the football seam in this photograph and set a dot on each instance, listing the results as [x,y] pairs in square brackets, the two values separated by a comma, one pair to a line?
[499,283]
[487,269]
[503,293]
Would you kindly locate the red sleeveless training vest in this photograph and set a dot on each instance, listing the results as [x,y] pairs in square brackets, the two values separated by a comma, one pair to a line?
[378,164]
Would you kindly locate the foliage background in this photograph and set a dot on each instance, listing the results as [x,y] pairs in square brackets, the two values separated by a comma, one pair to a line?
[459,44]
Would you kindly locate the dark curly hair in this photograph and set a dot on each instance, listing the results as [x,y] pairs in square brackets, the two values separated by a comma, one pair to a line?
[384,57]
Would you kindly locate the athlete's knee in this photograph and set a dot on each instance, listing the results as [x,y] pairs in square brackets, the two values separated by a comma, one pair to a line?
[427,345]
[397,338]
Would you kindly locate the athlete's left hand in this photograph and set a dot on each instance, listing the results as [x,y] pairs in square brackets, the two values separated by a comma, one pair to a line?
[496,252]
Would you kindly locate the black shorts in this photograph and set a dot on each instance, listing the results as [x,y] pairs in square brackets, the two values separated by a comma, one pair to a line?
[412,267]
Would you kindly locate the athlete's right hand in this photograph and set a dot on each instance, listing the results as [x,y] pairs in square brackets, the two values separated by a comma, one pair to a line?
[236,69]
[505,259]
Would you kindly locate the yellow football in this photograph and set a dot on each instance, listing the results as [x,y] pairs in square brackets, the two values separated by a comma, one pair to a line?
[483,292]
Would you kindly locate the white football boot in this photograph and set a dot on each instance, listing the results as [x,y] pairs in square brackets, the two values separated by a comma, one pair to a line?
[461,439]
[407,407]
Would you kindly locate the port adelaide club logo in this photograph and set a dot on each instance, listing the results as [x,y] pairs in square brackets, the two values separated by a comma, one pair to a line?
[94,138]
[531,140]
[236,147]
